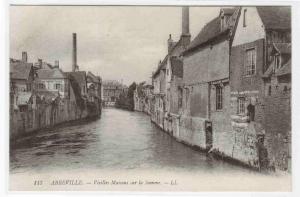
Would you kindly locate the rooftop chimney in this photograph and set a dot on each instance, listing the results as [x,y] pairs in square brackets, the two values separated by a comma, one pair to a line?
[40,62]
[185,35]
[74,54]
[24,56]
[170,43]
[56,63]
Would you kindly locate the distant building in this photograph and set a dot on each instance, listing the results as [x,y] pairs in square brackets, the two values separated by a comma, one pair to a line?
[143,97]
[94,86]
[111,91]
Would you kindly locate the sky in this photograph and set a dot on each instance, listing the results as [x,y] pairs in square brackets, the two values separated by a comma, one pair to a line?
[123,43]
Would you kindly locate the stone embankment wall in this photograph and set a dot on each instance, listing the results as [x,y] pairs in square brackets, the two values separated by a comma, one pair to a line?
[41,116]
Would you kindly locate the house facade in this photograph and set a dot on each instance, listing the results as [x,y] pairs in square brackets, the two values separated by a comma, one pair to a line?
[260,80]
[53,80]
[111,92]
[164,76]
[205,118]
[22,74]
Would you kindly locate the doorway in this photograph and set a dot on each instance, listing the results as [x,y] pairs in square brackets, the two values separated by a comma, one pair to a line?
[208,135]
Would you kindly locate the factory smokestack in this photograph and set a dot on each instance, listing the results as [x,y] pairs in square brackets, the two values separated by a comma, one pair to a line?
[74,54]
[185,34]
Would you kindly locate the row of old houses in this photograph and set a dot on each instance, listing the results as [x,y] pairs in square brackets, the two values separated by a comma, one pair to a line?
[43,95]
[228,91]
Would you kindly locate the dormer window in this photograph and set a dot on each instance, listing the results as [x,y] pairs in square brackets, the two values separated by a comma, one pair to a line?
[245,18]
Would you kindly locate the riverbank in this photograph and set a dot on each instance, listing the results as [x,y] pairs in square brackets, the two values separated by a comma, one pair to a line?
[210,153]
[14,142]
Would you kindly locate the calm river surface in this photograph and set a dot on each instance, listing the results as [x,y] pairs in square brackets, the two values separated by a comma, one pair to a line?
[119,140]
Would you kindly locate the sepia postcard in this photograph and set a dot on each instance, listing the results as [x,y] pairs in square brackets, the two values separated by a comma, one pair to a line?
[150,98]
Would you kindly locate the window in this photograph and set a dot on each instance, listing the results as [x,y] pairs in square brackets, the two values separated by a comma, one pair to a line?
[244,18]
[270,90]
[41,86]
[250,63]
[277,61]
[241,105]
[57,86]
[28,86]
[179,98]
[219,97]
[187,95]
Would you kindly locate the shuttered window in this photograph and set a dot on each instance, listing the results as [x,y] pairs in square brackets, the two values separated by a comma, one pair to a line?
[219,97]
[241,105]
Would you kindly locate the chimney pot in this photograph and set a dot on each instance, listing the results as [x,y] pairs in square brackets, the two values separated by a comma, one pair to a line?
[56,63]
[24,56]
[40,61]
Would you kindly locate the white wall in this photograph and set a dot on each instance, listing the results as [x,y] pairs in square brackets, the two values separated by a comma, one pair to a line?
[254,29]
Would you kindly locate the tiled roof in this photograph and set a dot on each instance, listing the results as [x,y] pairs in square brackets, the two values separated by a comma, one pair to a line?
[92,77]
[209,31]
[20,70]
[268,72]
[283,48]
[177,67]
[213,29]
[161,66]
[54,73]
[275,17]
[285,69]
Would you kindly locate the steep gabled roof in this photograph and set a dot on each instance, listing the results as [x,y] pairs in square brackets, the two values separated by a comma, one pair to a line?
[92,77]
[282,48]
[210,30]
[213,29]
[161,66]
[54,73]
[285,69]
[275,17]
[20,70]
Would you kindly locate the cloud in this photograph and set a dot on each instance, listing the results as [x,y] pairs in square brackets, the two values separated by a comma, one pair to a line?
[115,42]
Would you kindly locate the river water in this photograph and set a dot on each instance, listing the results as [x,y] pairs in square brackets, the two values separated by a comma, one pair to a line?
[120,140]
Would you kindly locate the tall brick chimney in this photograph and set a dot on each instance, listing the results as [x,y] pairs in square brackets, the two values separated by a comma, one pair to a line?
[74,54]
[170,43]
[24,56]
[185,35]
